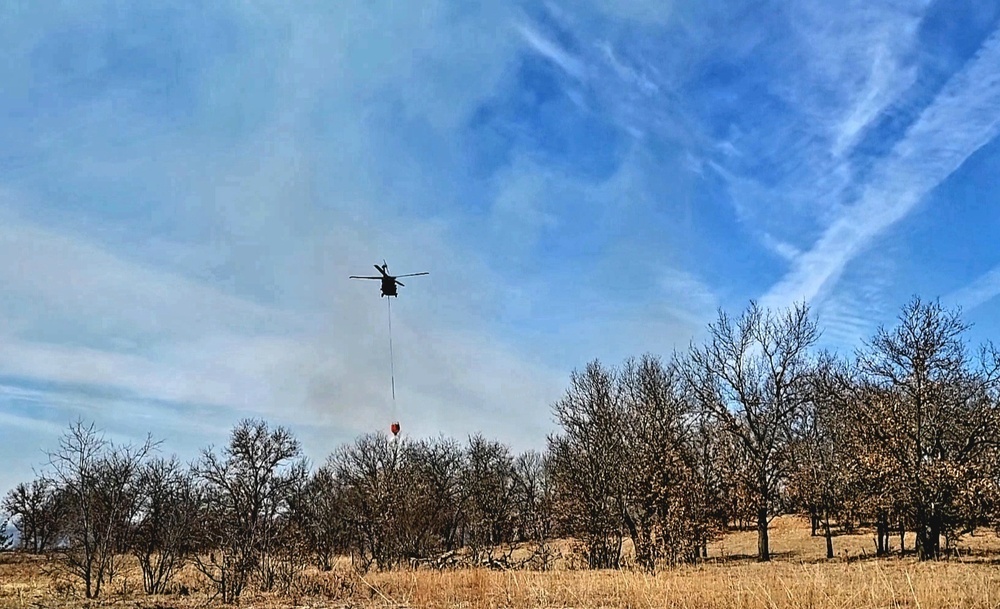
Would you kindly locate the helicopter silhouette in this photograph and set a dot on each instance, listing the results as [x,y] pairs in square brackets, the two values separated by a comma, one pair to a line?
[389,282]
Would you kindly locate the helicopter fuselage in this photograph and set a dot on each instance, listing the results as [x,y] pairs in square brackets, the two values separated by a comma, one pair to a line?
[389,286]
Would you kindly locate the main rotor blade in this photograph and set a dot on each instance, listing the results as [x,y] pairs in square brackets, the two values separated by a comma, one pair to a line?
[398,282]
[380,269]
[359,277]
[412,274]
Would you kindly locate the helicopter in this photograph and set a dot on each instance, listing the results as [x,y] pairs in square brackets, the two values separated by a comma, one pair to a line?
[389,282]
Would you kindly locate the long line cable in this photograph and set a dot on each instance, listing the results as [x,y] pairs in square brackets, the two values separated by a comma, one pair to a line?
[392,366]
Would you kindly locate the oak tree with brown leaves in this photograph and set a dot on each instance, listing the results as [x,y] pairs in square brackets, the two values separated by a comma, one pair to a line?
[934,421]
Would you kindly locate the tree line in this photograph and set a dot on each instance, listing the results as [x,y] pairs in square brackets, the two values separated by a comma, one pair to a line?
[901,436]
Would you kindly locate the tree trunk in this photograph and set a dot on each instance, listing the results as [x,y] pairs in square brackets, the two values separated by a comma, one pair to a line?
[902,537]
[813,521]
[829,536]
[934,531]
[644,556]
[928,534]
[882,535]
[924,551]
[763,551]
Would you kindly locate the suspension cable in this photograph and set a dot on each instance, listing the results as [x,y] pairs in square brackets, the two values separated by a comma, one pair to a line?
[392,366]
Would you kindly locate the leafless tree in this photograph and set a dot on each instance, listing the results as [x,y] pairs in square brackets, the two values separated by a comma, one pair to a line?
[166,524]
[665,503]
[98,481]
[534,507]
[732,466]
[246,488]
[633,457]
[488,482]
[6,538]
[320,511]
[289,541]
[823,468]
[751,377]
[35,510]
[712,485]
[533,495]
[432,497]
[370,472]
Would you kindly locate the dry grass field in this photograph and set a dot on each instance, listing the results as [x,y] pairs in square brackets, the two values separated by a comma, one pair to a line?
[799,576]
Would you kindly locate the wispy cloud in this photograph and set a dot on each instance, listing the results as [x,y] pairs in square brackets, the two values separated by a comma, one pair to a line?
[857,64]
[802,97]
[628,73]
[551,50]
[961,119]
[785,250]
[982,290]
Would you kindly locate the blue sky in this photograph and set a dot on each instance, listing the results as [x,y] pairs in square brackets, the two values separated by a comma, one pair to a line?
[185,190]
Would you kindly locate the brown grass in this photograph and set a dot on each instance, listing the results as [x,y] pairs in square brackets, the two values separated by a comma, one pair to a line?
[800,576]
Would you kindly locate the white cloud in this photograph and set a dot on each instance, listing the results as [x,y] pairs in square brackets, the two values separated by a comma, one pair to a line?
[983,289]
[852,63]
[551,50]
[688,298]
[961,119]
[629,74]
[56,279]
[834,72]
[784,249]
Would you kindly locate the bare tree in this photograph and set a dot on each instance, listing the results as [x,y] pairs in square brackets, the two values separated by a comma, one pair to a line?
[35,510]
[632,458]
[488,482]
[751,377]
[98,483]
[321,511]
[163,535]
[533,495]
[289,541]
[713,485]
[432,497]
[732,466]
[245,490]
[370,472]
[534,506]
[6,538]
